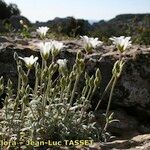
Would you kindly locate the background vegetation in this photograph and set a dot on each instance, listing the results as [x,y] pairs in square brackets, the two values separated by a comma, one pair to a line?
[6,11]
[135,25]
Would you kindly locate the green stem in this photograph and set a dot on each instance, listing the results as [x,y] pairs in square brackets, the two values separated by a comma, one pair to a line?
[74,89]
[55,80]
[90,90]
[83,109]
[92,93]
[68,89]
[19,84]
[22,112]
[110,97]
[28,72]
[17,97]
[61,95]
[49,84]
[109,102]
[6,108]
[53,58]
[36,85]
[45,63]
[105,91]
[82,113]
[41,80]
[73,93]
[42,64]
[86,89]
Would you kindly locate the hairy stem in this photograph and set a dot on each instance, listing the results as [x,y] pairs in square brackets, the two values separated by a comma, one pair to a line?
[28,72]
[73,93]
[109,102]
[105,91]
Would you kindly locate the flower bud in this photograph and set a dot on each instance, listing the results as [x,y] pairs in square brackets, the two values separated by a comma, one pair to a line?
[72,76]
[20,70]
[25,100]
[117,69]
[98,74]
[63,82]
[9,84]
[79,55]
[96,82]
[1,80]
[82,65]
[91,82]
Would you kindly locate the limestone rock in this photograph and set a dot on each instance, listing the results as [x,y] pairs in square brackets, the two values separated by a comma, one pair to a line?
[132,91]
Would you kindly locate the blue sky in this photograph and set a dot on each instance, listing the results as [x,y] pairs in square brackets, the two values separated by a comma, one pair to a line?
[43,10]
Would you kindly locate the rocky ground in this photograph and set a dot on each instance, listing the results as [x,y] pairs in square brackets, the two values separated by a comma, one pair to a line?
[131,99]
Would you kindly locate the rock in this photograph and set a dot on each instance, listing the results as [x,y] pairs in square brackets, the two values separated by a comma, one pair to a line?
[8,68]
[125,126]
[132,91]
[140,142]
[2,29]
[4,40]
[131,98]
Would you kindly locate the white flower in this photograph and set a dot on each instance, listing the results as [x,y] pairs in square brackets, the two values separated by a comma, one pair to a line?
[29,61]
[90,43]
[62,62]
[57,46]
[42,31]
[45,49]
[121,42]
[21,22]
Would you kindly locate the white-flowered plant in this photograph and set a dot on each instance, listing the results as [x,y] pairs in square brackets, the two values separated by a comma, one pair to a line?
[50,108]
[45,49]
[90,43]
[52,47]
[42,31]
[57,46]
[29,61]
[54,107]
[62,62]
[122,43]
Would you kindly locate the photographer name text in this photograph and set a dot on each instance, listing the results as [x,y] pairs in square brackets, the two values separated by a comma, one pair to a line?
[48,142]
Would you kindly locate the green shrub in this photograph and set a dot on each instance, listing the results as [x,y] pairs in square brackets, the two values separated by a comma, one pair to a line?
[7,11]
